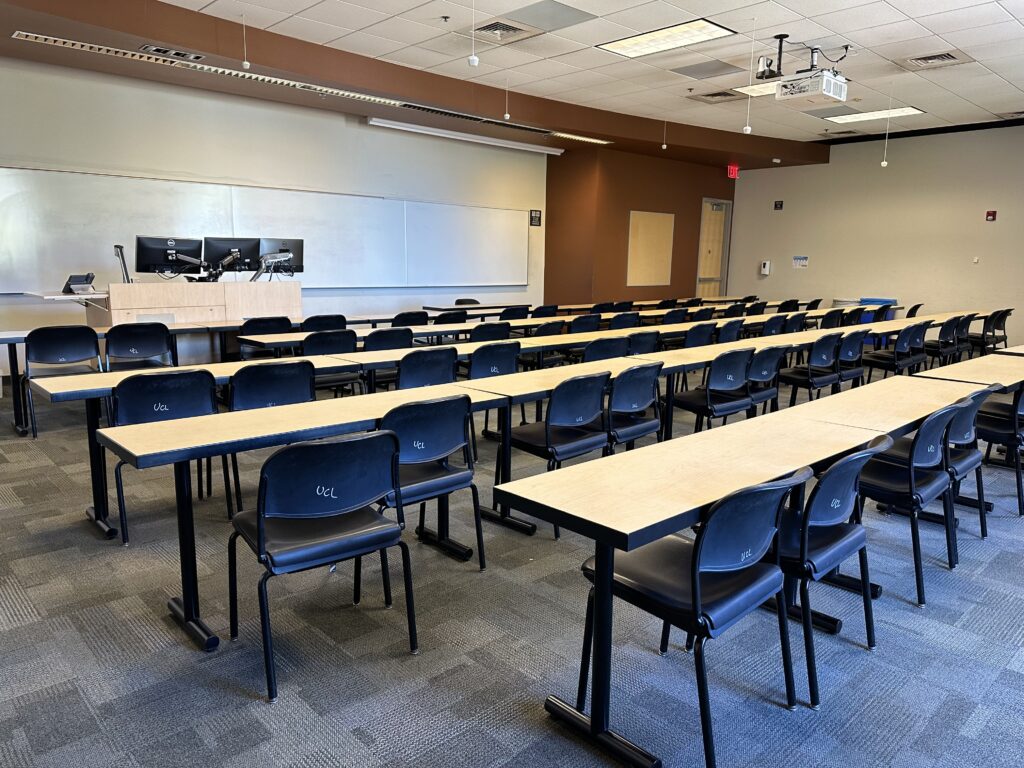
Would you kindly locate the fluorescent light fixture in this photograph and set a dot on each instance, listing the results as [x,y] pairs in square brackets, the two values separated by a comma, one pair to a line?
[759,89]
[881,114]
[379,122]
[148,58]
[688,33]
[576,137]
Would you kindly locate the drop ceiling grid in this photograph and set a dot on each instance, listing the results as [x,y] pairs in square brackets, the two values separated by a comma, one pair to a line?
[563,64]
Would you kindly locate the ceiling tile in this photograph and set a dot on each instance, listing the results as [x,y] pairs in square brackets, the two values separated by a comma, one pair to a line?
[595,32]
[546,46]
[651,16]
[387,6]
[993,33]
[460,68]
[708,69]
[965,18]
[604,7]
[192,5]
[860,17]
[286,6]
[308,30]
[502,77]
[760,15]
[419,58]
[433,15]
[549,15]
[506,58]
[818,7]
[888,33]
[588,58]
[402,30]
[545,68]
[342,14]
[255,15]
[906,49]
[925,7]
[366,45]
[455,45]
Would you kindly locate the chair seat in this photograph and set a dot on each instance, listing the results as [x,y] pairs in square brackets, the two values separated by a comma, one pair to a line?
[566,442]
[332,380]
[888,482]
[627,427]
[996,425]
[136,365]
[851,372]
[762,394]
[295,544]
[657,578]
[802,376]
[963,461]
[885,359]
[722,403]
[827,547]
[421,482]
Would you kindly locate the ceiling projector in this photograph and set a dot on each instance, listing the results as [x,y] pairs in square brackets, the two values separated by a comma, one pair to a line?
[815,86]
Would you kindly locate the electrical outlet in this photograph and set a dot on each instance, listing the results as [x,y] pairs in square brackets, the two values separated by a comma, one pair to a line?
[976,259]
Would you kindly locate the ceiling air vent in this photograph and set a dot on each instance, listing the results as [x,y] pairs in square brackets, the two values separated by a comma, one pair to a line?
[717,97]
[1012,115]
[838,134]
[501,31]
[936,60]
[170,53]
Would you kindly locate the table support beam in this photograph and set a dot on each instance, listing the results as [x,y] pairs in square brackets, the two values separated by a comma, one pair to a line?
[99,511]
[185,609]
[18,422]
[502,515]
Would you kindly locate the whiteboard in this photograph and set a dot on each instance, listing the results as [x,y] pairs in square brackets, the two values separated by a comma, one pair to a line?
[54,223]
[459,245]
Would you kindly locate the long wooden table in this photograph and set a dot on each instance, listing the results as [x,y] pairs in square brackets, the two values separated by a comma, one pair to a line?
[1006,371]
[179,442]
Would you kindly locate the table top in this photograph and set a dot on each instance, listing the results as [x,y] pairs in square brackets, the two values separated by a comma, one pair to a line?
[1005,370]
[1018,350]
[61,296]
[536,384]
[165,442]
[294,339]
[472,307]
[635,497]
[84,386]
[18,337]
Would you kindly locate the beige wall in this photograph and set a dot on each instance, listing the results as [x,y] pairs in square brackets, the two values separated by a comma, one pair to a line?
[911,230]
[65,119]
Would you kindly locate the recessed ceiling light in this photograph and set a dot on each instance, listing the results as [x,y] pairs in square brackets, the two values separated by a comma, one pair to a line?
[576,137]
[879,114]
[760,89]
[696,31]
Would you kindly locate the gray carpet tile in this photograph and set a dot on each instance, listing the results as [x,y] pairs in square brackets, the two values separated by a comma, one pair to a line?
[93,672]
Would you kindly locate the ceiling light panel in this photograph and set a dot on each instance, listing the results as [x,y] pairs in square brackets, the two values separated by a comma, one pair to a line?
[881,114]
[575,137]
[678,36]
[759,89]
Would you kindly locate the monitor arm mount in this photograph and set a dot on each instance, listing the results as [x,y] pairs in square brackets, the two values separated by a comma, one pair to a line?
[212,274]
[269,262]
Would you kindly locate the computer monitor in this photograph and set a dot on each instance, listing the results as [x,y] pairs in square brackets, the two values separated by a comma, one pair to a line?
[279,245]
[217,249]
[159,254]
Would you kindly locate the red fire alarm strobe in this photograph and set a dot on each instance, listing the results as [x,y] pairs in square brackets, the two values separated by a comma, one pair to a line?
[733,171]
[990,215]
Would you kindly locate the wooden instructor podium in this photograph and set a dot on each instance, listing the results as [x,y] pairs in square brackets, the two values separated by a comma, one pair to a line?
[181,302]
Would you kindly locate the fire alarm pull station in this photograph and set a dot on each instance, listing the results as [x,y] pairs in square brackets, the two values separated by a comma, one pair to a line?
[766,268]
[990,215]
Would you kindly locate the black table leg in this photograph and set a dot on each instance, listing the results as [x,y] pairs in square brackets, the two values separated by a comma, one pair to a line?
[503,516]
[595,726]
[823,621]
[185,609]
[441,538]
[850,583]
[967,501]
[98,512]
[20,428]
[669,415]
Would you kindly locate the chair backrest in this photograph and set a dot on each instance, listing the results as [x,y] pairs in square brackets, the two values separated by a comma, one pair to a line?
[674,316]
[749,298]
[730,331]
[138,341]
[490,332]
[644,342]
[577,401]
[56,344]
[757,308]
[928,448]
[261,326]
[832,319]
[789,305]
[734,310]
[495,359]
[410,317]
[947,331]
[728,371]
[813,304]
[550,328]
[737,531]
[635,389]
[765,364]
[325,323]
[877,315]
[963,326]
[545,310]
[853,317]
[701,314]
[263,385]
[901,345]
[834,496]
[917,337]
[1001,317]
[330,342]
[149,397]
[426,367]
[462,302]
[430,430]
[601,307]
[795,322]
[624,320]
[667,304]
[622,306]
[851,348]
[450,317]
[602,349]
[514,313]
[699,335]
[961,429]
[912,312]
[387,338]
[584,323]
[692,302]
[328,478]
[823,351]
[774,325]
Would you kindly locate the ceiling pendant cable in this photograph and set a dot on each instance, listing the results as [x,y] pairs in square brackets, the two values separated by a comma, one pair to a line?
[245,47]
[507,115]
[664,135]
[474,60]
[750,75]
[888,117]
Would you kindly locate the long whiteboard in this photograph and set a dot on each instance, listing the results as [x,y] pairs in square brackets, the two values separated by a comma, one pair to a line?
[55,223]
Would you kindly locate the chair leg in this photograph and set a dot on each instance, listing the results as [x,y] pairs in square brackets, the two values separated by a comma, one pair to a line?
[982,519]
[385,575]
[792,397]
[705,703]
[787,653]
[227,486]
[233,583]
[553,465]
[268,641]
[812,667]
[666,631]
[588,639]
[690,639]
[27,399]
[200,486]
[121,507]
[952,553]
[209,477]
[238,482]
[915,535]
[410,608]
[423,518]
[865,588]
[357,581]
[1017,472]
[478,523]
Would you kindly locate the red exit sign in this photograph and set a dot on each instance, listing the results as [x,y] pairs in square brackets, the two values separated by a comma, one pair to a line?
[733,171]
